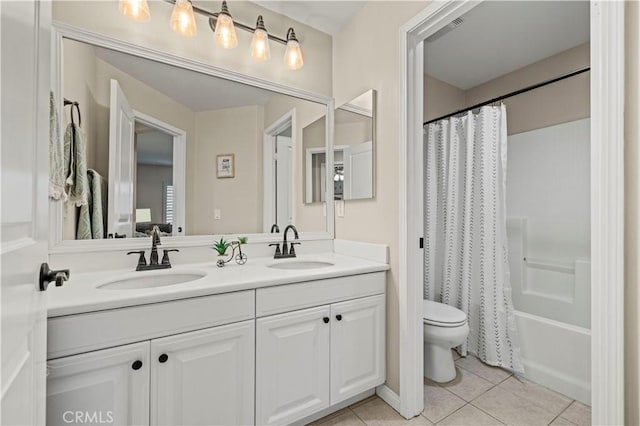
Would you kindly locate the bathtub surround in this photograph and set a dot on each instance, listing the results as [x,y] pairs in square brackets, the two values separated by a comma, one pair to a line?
[465,251]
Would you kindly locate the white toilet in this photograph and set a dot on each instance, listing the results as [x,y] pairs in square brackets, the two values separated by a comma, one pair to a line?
[445,327]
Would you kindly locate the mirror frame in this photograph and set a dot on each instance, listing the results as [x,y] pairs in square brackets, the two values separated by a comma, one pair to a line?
[57,245]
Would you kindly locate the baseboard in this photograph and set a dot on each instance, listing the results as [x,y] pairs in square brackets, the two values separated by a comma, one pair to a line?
[390,397]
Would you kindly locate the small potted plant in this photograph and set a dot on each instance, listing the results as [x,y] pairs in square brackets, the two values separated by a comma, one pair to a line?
[221,246]
[243,240]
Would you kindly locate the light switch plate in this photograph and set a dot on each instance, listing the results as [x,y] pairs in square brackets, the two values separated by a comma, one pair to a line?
[340,208]
[217,214]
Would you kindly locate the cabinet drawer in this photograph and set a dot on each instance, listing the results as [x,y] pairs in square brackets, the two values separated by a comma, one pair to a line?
[290,297]
[96,330]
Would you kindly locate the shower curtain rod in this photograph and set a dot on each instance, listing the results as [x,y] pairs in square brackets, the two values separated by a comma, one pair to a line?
[511,94]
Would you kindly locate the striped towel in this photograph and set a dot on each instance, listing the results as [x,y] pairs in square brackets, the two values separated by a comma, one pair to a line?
[75,160]
[57,170]
[92,219]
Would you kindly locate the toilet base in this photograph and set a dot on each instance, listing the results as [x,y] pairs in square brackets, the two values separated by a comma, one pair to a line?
[438,363]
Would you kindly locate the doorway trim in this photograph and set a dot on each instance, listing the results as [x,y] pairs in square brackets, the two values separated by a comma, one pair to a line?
[179,168]
[269,139]
[607,204]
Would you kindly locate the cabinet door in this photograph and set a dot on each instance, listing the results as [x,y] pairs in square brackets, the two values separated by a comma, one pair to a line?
[357,346]
[205,377]
[292,365]
[110,386]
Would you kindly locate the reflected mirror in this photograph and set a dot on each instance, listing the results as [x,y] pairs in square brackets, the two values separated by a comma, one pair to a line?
[354,145]
[188,152]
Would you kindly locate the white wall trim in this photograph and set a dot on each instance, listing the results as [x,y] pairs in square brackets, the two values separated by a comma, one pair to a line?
[607,212]
[62,30]
[607,204]
[268,174]
[390,397]
[410,275]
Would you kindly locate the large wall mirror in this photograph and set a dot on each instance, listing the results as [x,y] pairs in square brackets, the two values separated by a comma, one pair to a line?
[353,174]
[185,151]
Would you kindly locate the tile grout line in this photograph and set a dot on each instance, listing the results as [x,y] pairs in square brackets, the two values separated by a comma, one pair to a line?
[357,416]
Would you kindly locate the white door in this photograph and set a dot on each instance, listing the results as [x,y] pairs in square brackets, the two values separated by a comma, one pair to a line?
[121,164]
[357,346]
[284,181]
[358,171]
[110,386]
[24,29]
[205,377]
[292,365]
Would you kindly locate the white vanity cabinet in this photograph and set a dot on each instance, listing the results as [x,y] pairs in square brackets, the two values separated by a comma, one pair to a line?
[357,346]
[272,355]
[192,363]
[310,359]
[109,386]
[292,365]
[205,377]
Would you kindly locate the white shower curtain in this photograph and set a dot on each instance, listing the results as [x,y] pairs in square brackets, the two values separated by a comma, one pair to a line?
[465,249]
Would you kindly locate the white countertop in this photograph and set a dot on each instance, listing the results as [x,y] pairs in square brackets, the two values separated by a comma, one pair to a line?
[81,293]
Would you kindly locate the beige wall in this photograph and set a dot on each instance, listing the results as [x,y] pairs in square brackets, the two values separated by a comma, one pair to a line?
[103,17]
[80,86]
[365,56]
[632,213]
[235,131]
[562,102]
[440,98]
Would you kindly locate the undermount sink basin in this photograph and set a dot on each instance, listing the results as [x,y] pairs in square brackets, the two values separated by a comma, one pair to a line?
[301,264]
[150,281]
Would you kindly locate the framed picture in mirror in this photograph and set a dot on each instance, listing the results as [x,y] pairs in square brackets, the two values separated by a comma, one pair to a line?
[226,167]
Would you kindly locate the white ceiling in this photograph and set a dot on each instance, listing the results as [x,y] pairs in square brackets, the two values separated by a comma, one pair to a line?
[327,16]
[498,37]
[196,91]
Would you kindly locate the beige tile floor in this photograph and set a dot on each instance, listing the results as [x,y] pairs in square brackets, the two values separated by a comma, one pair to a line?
[479,395]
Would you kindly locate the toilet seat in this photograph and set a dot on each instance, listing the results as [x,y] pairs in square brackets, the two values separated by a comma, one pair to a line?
[442,315]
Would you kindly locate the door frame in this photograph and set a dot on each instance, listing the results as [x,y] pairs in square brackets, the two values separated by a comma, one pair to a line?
[268,171]
[179,166]
[607,204]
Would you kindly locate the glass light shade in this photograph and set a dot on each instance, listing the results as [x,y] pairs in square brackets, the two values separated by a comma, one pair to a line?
[293,55]
[225,32]
[183,21]
[135,9]
[260,46]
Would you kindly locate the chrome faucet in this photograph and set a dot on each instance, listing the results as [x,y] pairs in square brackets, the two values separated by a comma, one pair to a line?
[153,257]
[286,251]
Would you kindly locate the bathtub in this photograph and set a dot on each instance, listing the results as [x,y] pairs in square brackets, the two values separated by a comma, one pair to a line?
[552,300]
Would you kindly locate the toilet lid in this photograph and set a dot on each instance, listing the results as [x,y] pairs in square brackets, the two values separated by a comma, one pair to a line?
[440,314]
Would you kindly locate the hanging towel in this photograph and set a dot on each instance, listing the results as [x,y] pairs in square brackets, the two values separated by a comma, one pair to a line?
[91,222]
[75,160]
[57,170]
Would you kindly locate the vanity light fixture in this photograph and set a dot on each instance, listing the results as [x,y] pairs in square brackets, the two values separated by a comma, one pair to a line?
[293,54]
[260,42]
[225,31]
[135,9]
[223,25]
[183,21]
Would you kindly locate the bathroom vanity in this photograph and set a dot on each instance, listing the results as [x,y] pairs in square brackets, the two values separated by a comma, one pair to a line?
[252,344]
